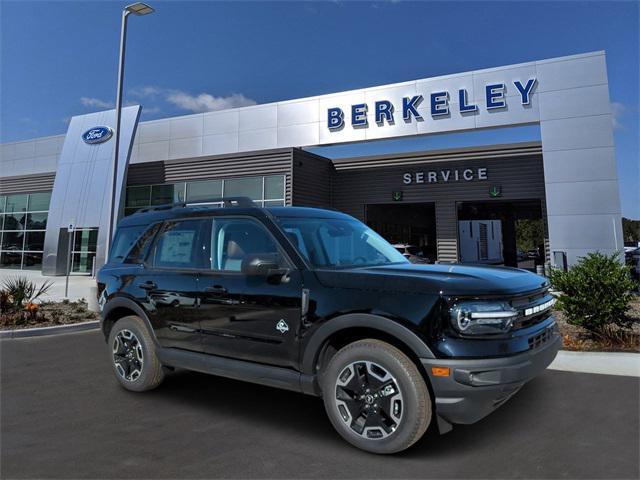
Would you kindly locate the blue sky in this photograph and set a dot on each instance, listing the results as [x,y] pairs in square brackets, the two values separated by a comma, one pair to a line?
[59,59]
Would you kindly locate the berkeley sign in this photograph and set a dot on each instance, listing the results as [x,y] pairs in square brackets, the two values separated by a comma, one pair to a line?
[384,110]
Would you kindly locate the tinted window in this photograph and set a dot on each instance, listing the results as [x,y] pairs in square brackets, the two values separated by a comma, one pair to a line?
[125,239]
[232,240]
[179,245]
[139,251]
[339,243]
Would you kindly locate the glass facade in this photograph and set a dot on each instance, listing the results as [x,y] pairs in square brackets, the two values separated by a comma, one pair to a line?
[83,251]
[265,191]
[23,221]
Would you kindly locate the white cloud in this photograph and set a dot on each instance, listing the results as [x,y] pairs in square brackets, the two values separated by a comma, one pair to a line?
[95,103]
[146,91]
[205,102]
[617,110]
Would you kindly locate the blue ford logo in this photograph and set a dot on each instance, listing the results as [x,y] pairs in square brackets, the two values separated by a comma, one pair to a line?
[97,135]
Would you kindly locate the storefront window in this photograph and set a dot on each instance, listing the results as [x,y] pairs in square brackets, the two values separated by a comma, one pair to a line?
[244,187]
[138,196]
[23,221]
[39,202]
[202,191]
[16,203]
[274,187]
[166,194]
[264,191]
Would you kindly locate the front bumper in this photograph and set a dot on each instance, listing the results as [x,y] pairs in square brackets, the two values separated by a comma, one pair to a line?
[475,388]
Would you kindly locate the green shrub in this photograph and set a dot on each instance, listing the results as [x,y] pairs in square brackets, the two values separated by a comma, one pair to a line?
[21,291]
[595,293]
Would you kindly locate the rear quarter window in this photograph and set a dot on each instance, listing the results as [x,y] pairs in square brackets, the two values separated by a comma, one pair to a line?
[125,239]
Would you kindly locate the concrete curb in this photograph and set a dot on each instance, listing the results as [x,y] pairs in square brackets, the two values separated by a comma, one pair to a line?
[606,363]
[55,330]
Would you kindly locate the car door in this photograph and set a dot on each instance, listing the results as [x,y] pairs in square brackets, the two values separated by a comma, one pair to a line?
[169,283]
[250,317]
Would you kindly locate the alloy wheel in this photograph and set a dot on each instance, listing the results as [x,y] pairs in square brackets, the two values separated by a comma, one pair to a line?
[369,400]
[127,355]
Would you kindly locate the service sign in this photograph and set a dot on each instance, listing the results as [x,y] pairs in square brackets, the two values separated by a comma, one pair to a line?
[97,135]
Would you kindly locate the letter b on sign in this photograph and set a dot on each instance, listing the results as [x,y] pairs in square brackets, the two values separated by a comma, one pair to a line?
[335,118]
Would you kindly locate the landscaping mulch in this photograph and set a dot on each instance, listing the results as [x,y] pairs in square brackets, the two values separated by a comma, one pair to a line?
[579,339]
[49,314]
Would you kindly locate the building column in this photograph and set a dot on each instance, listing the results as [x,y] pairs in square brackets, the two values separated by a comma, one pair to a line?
[581,182]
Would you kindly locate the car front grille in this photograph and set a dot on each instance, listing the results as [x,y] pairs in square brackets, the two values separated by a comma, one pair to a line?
[536,341]
[531,309]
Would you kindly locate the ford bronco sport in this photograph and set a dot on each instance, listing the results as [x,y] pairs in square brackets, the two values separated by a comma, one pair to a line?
[314,301]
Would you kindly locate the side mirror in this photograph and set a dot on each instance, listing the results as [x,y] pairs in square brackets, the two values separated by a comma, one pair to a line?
[264,265]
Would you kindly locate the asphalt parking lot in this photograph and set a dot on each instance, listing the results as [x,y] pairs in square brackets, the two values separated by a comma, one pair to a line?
[63,415]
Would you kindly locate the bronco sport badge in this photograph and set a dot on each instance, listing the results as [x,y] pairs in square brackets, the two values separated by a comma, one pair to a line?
[282,326]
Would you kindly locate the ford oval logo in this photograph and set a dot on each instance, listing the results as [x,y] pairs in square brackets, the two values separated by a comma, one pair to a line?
[97,135]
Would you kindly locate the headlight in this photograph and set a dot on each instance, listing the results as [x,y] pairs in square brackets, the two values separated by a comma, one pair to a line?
[478,318]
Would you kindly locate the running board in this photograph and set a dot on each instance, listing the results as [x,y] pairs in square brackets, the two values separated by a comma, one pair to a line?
[238,369]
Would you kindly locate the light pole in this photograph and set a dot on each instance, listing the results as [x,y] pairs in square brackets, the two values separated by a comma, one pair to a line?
[138,9]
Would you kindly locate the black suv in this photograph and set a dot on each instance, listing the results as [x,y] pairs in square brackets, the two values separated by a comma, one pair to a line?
[316,302]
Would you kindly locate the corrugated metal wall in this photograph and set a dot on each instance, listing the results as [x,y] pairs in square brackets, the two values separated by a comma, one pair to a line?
[42,182]
[371,180]
[267,162]
[312,180]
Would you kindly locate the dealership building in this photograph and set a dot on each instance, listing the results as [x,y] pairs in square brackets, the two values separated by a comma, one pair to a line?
[473,204]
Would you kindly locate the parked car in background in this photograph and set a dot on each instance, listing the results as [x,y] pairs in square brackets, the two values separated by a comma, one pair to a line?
[632,258]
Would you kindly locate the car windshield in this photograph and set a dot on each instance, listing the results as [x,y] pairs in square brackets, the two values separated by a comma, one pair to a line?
[339,243]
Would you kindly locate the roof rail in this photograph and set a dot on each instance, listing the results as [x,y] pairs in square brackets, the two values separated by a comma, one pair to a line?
[245,202]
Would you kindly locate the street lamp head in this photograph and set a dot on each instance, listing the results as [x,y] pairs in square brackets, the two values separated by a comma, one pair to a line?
[139,9]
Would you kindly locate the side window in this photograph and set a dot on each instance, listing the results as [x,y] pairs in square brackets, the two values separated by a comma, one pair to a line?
[125,238]
[180,245]
[141,248]
[235,239]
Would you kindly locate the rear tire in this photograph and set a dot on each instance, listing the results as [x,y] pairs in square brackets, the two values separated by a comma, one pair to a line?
[133,355]
[375,397]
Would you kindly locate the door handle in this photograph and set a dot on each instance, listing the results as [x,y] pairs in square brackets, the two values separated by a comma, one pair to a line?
[217,289]
[148,285]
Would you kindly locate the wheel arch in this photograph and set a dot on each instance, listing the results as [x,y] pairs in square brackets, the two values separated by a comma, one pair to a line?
[120,307]
[345,329]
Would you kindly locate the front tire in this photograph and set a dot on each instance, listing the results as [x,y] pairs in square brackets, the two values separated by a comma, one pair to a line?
[133,355]
[375,397]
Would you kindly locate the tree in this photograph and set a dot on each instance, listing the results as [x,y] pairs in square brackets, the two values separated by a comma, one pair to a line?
[630,230]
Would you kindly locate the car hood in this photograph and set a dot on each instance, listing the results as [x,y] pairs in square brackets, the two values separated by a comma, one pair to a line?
[444,279]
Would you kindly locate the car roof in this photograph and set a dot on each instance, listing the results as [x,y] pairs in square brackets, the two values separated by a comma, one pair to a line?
[162,213]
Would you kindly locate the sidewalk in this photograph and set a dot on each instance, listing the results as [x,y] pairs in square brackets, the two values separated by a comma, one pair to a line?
[607,363]
[80,286]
